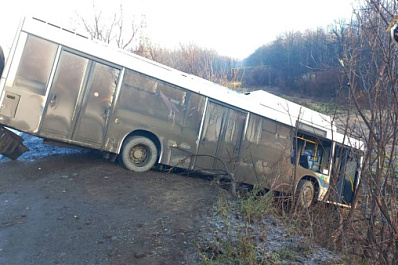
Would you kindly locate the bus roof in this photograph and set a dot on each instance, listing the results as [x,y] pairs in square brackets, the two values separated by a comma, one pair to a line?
[258,102]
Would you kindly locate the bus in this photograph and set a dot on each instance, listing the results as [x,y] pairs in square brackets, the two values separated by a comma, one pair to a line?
[70,90]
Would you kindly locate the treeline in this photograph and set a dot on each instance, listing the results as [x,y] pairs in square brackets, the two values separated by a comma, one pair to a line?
[192,59]
[305,62]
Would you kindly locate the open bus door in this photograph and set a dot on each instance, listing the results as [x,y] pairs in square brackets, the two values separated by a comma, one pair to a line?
[346,174]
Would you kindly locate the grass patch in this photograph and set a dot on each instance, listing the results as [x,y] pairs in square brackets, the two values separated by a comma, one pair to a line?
[325,108]
[238,245]
[223,207]
[231,251]
[239,234]
[255,205]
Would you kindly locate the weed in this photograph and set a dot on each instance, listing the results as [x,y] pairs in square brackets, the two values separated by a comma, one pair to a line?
[256,204]
[286,254]
[238,247]
[223,207]
[230,251]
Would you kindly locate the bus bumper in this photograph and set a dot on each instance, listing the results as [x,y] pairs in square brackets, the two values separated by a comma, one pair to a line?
[11,144]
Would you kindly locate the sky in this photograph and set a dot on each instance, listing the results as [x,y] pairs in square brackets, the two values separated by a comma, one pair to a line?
[230,27]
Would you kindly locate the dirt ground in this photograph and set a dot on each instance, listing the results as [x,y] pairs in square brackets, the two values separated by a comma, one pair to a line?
[59,206]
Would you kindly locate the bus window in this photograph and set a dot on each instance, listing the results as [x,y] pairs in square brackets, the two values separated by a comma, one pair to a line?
[35,65]
[254,129]
[325,157]
[313,153]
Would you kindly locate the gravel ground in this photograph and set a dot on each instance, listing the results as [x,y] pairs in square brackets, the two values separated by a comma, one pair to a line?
[61,206]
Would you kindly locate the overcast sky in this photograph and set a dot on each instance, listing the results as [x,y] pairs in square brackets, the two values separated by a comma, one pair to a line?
[232,28]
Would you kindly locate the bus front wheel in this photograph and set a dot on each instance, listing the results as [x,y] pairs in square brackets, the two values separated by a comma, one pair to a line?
[139,153]
[306,192]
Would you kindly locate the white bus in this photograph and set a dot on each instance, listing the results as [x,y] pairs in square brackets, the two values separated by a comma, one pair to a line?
[66,88]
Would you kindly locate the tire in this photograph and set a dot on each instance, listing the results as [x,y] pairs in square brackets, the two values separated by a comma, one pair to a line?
[139,153]
[306,193]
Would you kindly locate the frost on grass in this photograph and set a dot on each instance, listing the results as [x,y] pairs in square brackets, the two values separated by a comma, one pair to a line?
[233,237]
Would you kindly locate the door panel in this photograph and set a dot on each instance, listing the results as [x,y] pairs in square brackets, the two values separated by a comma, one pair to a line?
[221,137]
[97,101]
[79,101]
[214,120]
[346,165]
[63,98]
[229,148]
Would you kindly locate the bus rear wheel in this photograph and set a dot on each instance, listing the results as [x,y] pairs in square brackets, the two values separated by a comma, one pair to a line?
[139,153]
[306,193]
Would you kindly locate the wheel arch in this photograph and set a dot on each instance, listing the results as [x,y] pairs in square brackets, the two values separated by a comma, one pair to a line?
[315,182]
[153,137]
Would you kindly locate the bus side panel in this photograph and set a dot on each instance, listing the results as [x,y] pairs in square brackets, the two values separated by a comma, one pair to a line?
[26,83]
[180,147]
[266,151]
[171,114]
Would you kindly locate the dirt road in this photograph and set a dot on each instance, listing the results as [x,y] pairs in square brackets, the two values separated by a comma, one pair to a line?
[74,207]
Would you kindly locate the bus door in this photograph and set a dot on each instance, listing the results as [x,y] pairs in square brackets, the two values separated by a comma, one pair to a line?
[221,137]
[346,166]
[79,100]
[25,80]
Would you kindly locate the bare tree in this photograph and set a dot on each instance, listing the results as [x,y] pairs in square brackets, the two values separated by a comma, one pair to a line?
[126,32]
[369,60]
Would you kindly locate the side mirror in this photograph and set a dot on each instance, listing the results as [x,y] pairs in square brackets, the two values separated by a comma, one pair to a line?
[1,61]
[394,33]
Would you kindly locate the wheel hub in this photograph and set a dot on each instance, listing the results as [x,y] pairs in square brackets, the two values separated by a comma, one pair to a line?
[138,154]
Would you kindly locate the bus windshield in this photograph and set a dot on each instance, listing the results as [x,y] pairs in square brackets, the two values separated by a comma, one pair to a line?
[312,153]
